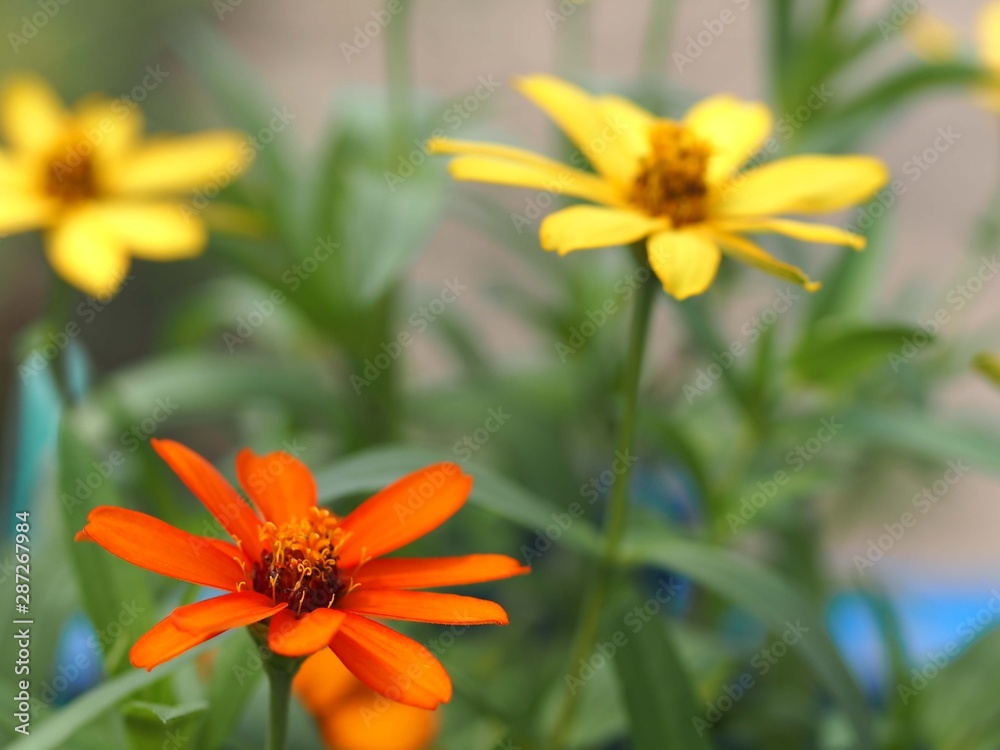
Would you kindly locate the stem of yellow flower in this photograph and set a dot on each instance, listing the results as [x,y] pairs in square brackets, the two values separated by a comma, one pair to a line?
[618,507]
[397,67]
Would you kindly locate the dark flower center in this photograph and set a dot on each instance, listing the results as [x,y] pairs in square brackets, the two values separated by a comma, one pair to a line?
[300,566]
[70,175]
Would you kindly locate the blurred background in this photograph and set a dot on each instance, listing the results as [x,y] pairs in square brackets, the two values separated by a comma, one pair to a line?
[320,63]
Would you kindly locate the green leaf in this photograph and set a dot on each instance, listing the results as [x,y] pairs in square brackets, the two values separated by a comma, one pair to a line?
[657,690]
[115,597]
[237,672]
[988,365]
[836,356]
[56,731]
[372,470]
[153,726]
[926,436]
[765,595]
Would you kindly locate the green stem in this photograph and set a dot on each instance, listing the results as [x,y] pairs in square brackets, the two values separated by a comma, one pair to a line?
[619,504]
[280,673]
[572,31]
[397,67]
[659,28]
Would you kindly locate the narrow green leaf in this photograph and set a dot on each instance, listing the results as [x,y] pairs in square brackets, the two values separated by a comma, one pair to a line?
[657,690]
[765,595]
[237,672]
[835,356]
[374,469]
[56,731]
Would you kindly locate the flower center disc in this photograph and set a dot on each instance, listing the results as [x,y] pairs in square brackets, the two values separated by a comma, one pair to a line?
[70,175]
[301,565]
[672,179]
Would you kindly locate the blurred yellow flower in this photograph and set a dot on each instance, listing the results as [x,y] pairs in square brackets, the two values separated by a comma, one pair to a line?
[674,184]
[937,41]
[351,716]
[102,193]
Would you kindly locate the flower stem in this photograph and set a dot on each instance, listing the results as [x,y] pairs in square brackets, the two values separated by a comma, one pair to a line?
[399,82]
[619,504]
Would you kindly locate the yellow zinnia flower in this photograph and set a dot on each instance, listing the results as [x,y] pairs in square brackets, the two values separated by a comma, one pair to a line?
[101,193]
[673,184]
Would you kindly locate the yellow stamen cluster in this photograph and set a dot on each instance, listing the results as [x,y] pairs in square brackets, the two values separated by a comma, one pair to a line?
[672,181]
[300,564]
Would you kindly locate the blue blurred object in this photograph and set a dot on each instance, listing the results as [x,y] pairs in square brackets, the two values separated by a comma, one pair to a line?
[77,665]
[937,622]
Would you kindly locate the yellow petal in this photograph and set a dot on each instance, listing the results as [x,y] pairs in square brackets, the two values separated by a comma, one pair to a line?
[820,233]
[685,262]
[802,184]
[558,180]
[589,125]
[21,211]
[112,125]
[86,253]
[586,227]
[734,129]
[32,115]
[632,143]
[491,150]
[154,231]
[932,38]
[988,34]
[205,162]
[746,251]
[14,173]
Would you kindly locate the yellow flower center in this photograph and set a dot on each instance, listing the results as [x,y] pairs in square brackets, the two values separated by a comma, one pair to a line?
[672,180]
[301,565]
[70,175]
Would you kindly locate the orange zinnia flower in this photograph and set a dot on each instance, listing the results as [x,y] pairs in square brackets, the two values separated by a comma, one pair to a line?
[352,717]
[317,576]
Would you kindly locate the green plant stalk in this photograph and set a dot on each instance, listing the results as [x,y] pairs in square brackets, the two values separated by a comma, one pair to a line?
[659,33]
[619,505]
[399,83]
[280,673]
[572,29]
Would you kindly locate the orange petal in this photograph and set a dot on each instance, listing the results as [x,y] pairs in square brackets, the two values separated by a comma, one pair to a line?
[162,643]
[300,636]
[209,486]
[323,681]
[225,612]
[423,606]
[432,572]
[157,546]
[405,510]
[82,536]
[366,721]
[280,485]
[391,664]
